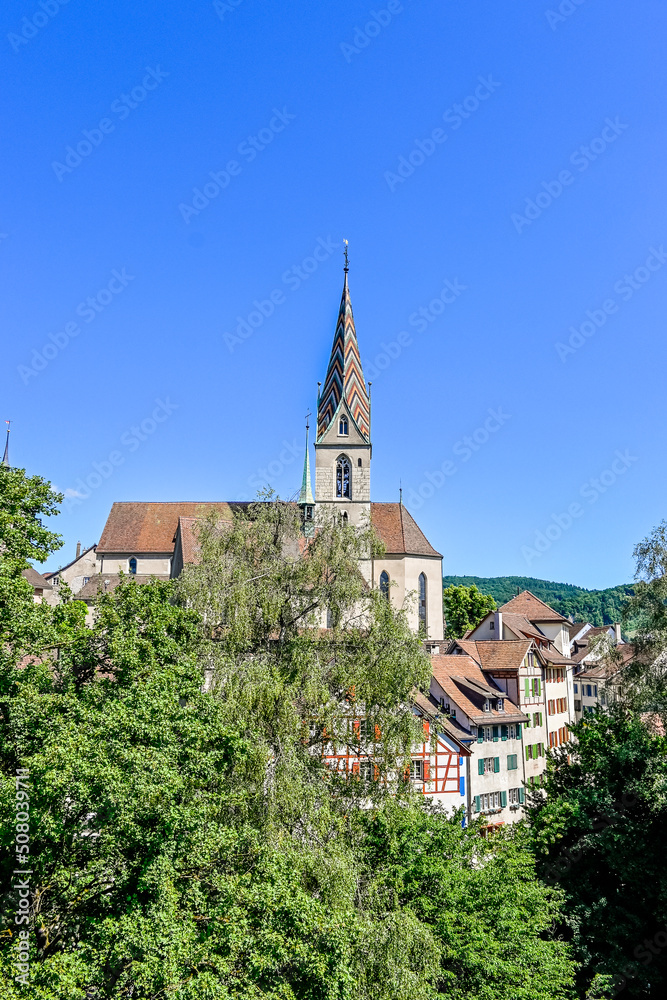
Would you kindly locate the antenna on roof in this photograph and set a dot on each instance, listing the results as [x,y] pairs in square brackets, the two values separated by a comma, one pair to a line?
[400,491]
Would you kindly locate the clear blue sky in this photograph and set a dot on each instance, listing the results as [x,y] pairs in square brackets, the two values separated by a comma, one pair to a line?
[335,98]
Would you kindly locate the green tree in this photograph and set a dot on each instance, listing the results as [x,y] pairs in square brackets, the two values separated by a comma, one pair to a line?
[187,839]
[465,607]
[482,918]
[599,834]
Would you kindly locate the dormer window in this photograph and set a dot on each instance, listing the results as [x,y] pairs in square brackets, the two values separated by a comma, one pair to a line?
[500,705]
[342,427]
[487,705]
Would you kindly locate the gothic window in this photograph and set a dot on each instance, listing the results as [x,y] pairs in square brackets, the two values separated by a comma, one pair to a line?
[422,602]
[343,484]
[384,584]
[359,462]
[342,427]
[133,565]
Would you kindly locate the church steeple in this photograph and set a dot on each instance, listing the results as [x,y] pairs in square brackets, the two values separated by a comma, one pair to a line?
[345,377]
[343,441]
[306,494]
[5,457]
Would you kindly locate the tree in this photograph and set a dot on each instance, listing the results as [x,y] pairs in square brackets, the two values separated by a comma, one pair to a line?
[465,607]
[599,834]
[186,837]
[483,921]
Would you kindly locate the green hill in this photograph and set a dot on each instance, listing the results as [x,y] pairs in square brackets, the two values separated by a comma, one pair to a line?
[600,607]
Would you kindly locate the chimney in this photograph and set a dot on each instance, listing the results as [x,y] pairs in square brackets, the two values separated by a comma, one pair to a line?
[617,634]
[78,549]
[498,628]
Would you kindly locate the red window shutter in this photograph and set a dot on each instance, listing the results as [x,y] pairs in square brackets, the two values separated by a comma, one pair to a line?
[376,772]
[355,769]
[427,728]
[378,734]
[427,771]
[356,727]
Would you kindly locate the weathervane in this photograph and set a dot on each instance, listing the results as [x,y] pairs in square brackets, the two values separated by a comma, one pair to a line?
[347,263]
[309,414]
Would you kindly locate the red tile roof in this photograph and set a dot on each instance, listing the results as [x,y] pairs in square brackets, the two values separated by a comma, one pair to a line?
[463,680]
[140,527]
[532,608]
[399,532]
[502,654]
[151,527]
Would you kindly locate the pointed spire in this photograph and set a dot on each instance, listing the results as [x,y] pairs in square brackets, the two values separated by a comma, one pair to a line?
[306,494]
[5,457]
[345,377]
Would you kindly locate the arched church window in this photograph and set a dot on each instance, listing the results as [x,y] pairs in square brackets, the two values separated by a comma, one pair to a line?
[359,462]
[422,602]
[342,426]
[343,476]
[384,584]
[133,565]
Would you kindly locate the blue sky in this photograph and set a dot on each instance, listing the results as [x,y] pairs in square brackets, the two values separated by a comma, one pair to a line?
[531,142]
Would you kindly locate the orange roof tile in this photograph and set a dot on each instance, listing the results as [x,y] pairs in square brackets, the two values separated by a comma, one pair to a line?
[532,608]
[151,527]
[399,532]
[463,680]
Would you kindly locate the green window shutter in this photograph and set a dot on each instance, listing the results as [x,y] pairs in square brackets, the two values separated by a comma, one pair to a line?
[522,795]
[503,732]
[527,687]
[503,799]
[539,687]
[496,764]
[518,731]
[529,751]
[480,766]
[495,734]
[478,803]
[480,738]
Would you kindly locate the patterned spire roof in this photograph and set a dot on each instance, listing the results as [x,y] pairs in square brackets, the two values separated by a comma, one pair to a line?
[345,377]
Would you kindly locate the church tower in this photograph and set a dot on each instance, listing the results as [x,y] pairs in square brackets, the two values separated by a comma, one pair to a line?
[343,440]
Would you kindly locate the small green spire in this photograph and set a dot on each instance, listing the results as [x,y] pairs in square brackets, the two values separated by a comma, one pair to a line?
[306,494]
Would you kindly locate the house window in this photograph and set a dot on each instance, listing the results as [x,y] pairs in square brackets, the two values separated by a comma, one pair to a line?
[133,565]
[342,427]
[512,762]
[366,770]
[492,625]
[86,579]
[343,487]
[417,769]
[576,689]
[488,733]
[500,705]
[487,705]
[384,584]
[422,601]
[345,517]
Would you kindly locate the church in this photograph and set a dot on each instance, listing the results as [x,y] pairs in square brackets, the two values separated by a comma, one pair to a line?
[157,538]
